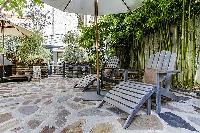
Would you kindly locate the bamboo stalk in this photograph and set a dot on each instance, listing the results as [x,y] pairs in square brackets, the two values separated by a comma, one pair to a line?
[194,45]
[183,43]
[176,46]
[153,43]
[149,51]
[189,46]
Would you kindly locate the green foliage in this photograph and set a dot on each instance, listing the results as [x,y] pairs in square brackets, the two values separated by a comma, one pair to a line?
[31,9]
[87,37]
[151,16]
[73,52]
[16,6]
[37,16]
[71,37]
[9,46]
[157,25]
[31,51]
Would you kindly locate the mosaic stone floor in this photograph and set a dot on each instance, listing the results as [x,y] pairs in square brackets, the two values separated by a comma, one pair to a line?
[53,105]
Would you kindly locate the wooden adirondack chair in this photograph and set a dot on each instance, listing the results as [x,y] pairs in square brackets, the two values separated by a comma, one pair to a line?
[107,73]
[129,96]
[164,62]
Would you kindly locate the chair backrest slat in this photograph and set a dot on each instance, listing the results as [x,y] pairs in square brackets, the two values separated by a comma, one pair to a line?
[112,62]
[172,62]
[163,60]
[155,61]
[166,61]
[150,61]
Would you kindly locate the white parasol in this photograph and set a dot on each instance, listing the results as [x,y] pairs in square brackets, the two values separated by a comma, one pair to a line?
[96,8]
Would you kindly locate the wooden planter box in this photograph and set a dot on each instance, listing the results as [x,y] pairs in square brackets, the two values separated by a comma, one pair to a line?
[29,70]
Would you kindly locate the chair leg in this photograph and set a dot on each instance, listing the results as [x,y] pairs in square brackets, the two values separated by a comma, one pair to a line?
[101,104]
[149,106]
[158,95]
[85,88]
[128,120]
[158,102]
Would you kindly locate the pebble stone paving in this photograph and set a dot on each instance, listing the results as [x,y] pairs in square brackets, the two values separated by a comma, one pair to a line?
[53,105]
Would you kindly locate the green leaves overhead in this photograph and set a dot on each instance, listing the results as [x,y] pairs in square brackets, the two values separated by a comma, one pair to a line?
[87,37]
[16,5]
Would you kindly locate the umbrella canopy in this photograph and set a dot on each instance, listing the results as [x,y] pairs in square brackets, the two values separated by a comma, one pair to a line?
[87,7]
[95,8]
[9,28]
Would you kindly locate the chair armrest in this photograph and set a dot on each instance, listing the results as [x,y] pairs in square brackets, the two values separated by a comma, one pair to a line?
[162,73]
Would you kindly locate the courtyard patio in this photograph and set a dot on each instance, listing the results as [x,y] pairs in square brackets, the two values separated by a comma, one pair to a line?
[54,105]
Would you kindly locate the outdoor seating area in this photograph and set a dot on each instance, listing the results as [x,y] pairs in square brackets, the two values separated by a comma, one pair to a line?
[116,66]
[36,107]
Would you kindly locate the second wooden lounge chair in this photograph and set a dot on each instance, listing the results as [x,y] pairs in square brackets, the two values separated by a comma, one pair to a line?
[107,73]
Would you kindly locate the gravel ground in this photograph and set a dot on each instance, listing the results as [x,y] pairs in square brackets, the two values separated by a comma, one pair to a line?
[53,105]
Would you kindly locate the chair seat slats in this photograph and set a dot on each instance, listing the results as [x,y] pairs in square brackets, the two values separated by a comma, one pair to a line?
[125,96]
[136,95]
[132,90]
[118,105]
[121,100]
